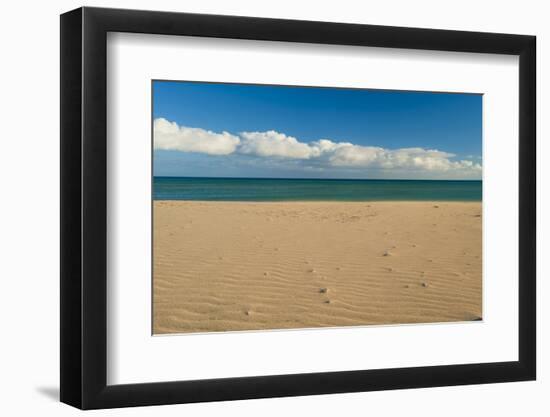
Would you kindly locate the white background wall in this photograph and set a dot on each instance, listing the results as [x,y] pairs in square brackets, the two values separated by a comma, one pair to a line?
[29,237]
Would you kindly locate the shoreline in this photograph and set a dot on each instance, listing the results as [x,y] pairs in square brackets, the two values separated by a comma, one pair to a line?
[246,265]
[320,201]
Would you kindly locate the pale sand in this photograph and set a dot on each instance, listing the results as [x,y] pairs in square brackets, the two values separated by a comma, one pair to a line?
[222,266]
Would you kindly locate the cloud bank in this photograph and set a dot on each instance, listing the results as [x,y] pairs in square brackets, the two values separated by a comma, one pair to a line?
[320,153]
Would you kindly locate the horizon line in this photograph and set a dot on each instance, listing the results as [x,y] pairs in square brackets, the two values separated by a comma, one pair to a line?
[312,178]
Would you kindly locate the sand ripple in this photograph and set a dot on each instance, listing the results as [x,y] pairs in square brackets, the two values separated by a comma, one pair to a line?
[249,266]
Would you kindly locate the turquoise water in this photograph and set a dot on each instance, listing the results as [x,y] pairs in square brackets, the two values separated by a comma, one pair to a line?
[263,189]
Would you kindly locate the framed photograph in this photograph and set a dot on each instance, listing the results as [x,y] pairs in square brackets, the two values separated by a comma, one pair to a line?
[258,208]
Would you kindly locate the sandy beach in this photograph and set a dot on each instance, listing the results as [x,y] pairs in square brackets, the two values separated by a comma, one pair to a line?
[228,266]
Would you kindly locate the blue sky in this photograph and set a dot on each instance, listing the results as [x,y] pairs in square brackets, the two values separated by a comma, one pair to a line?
[280,131]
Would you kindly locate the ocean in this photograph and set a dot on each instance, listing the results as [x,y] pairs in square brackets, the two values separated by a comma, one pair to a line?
[271,189]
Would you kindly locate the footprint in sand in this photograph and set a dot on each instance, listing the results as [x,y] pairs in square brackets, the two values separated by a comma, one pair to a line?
[323,290]
[424,284]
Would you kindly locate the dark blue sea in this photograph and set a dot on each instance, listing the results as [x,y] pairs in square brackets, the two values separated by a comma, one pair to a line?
[264,189]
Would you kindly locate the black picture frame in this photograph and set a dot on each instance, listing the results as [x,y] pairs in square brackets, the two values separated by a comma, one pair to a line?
[84,207]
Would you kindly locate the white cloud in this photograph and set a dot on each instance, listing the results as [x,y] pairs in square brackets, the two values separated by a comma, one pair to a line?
[170,136]
[326,146]
[323,153]
[273,143]
[415,159]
